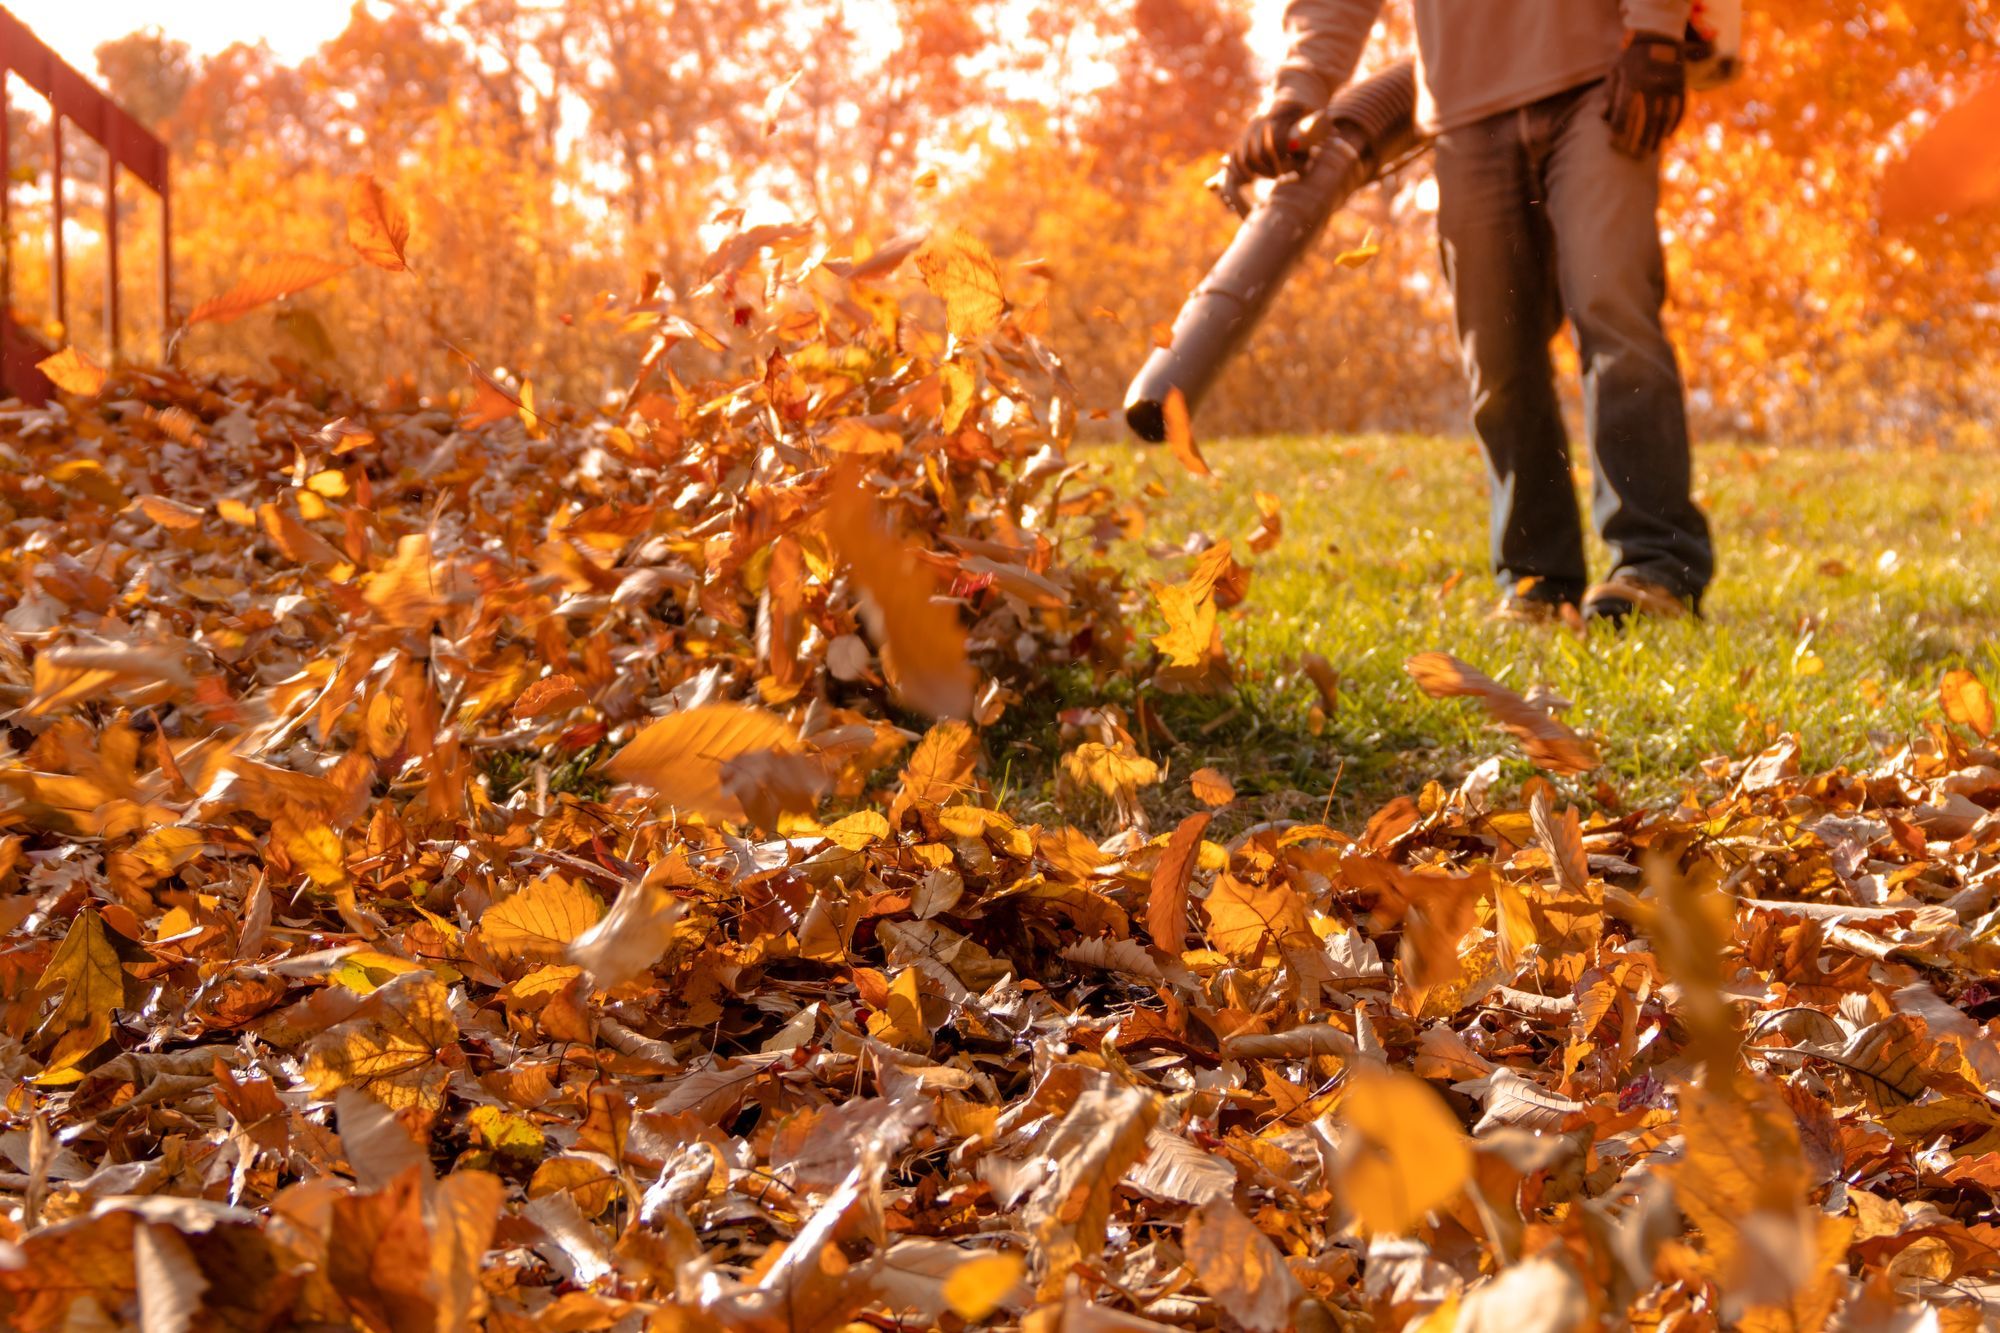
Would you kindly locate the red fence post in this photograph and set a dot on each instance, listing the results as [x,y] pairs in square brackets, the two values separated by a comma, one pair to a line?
[6,205]
[111,256]
[128,147]
[59,279]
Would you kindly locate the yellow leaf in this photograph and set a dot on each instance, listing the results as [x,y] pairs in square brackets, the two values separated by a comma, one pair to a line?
[316,851]
[266,282]
[976,1287]
[170,514]
[853,435]
[1191,623]
[377,226]
[681,756]
[504,1132]
[1513,924]
[405,591]
[940,768]
[1401,1154]
[294,540]
[1242,914]
[901,1023]
[462,1214]
[87,966]
[1166,895]
[1117,771]
[589,1186]
[960,272]
[638,930]
[539,922]
[1361,253]
[1967,703]
[959,387]
[389,1048]
[73,372]
[66,1061]
[366,971]
[384,723]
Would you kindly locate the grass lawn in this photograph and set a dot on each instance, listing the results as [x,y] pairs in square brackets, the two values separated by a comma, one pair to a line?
[1848,583]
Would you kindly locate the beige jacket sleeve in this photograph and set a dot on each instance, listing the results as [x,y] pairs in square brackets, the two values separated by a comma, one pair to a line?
[1323,41]
[1662,16]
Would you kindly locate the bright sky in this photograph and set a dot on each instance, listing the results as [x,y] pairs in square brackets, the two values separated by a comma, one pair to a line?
[294,28]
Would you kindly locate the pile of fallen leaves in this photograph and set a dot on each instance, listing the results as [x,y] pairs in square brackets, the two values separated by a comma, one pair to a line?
[506,865]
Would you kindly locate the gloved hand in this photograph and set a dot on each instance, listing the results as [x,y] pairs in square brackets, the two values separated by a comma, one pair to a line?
[1266,146]
[1648,93]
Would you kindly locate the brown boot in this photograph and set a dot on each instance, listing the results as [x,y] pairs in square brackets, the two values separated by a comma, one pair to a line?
[1535,602]
[1622,596]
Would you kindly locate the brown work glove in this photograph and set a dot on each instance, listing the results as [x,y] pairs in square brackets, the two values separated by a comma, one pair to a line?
[1267,147]
[1648,93]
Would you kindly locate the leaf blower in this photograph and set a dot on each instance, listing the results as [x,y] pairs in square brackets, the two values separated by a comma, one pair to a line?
[1365,132]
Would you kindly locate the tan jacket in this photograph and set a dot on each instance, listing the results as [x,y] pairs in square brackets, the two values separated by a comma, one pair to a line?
[1475,57]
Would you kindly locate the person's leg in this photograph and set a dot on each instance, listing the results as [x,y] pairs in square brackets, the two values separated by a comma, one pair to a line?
[1602,206]
[1498,261]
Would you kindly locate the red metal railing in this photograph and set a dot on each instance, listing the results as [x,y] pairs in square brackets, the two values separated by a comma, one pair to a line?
[75,101]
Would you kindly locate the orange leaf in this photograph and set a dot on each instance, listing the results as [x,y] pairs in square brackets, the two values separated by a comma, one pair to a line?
[73,372]
[377,226]
[923,643]
[1402,1152]
[1967,703]
[1210,787]
[1550,744]
[960,272]
[266,282]
[1180,435]
[1166,904]
[682,756]
[548,695]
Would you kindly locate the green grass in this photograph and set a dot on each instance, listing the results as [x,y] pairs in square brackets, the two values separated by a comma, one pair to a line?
[1837,569]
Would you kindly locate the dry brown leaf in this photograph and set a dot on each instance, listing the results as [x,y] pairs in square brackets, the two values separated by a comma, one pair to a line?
[1240,1268]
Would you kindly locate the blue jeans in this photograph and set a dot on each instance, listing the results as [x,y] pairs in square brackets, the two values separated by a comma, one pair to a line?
[1541,218]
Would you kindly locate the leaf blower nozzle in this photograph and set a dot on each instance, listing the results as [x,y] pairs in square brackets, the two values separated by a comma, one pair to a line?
[1367,130]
